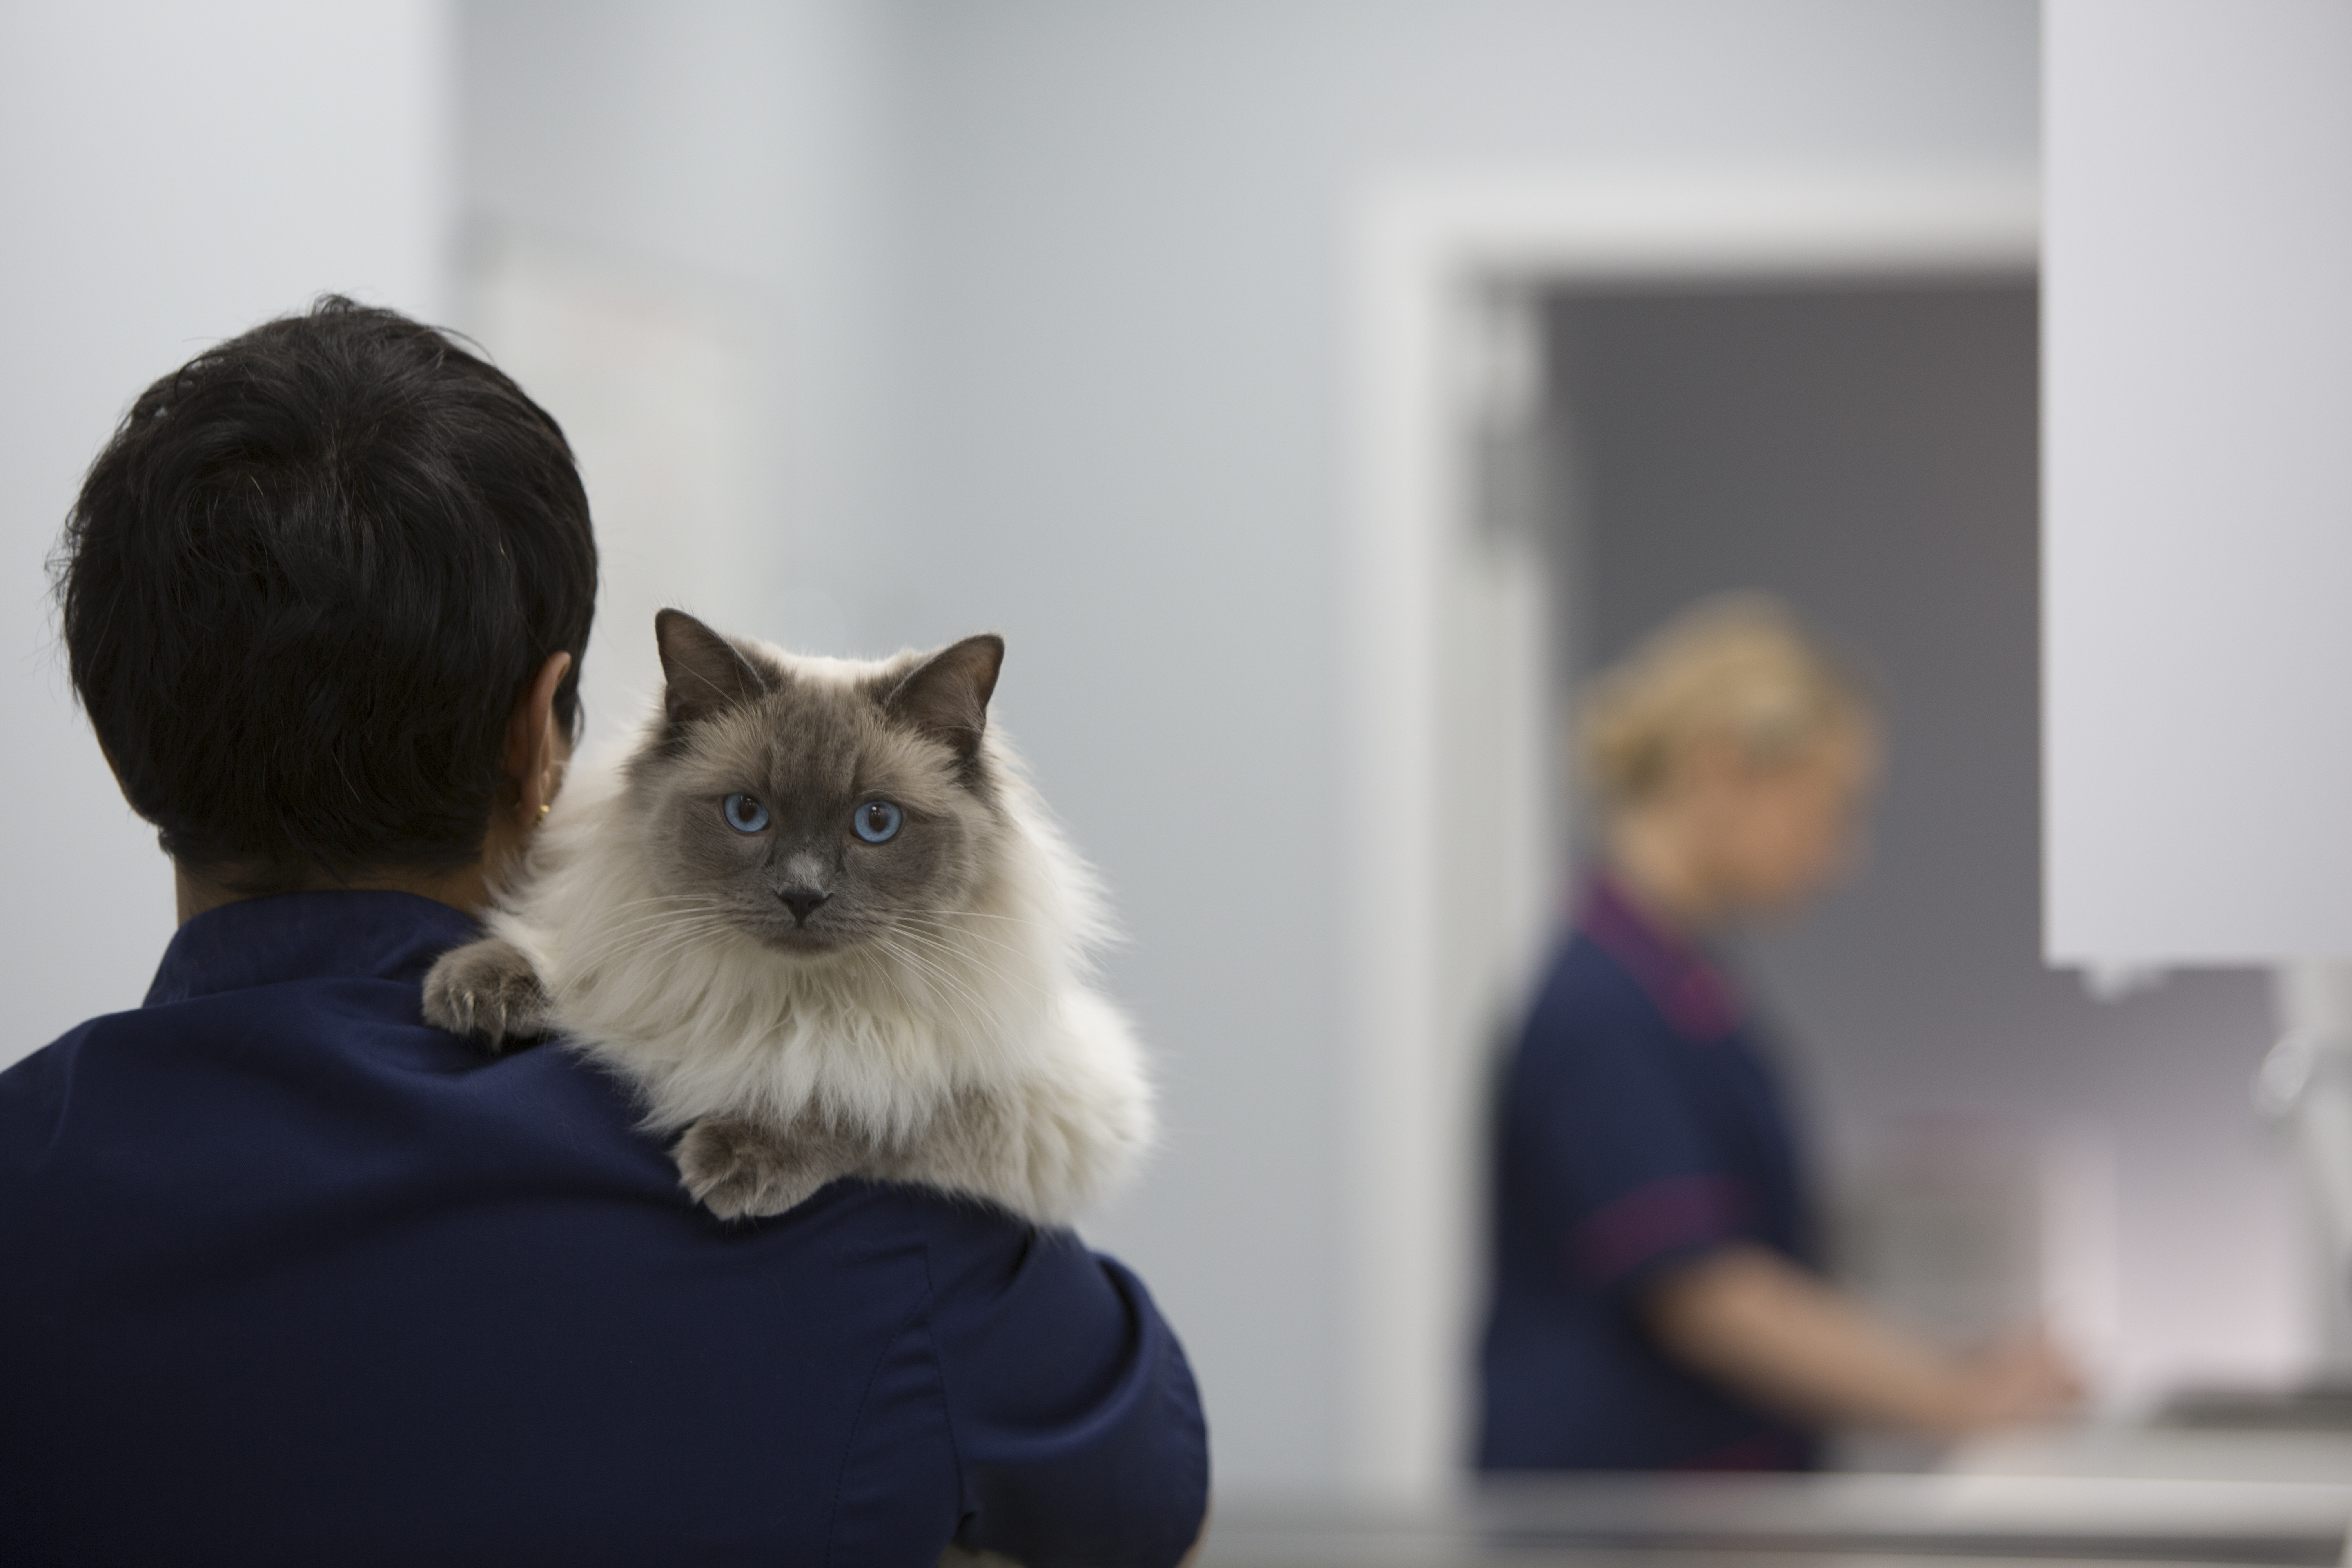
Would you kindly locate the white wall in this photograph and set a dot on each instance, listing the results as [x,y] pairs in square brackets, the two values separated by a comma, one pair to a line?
[2199,302]
[169,175]
[1057,288]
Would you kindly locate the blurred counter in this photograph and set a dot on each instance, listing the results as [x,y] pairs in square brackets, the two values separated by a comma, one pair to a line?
[2164,1453]
[1849,1521]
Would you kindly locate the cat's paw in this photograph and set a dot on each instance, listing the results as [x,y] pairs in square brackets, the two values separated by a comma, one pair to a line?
[489,992]
[739,1169]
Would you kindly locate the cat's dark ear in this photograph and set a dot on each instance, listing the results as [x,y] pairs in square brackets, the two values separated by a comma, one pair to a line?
[946,696]
[702,671]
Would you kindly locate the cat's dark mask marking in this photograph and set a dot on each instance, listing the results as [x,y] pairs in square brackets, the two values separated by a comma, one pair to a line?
[811,748]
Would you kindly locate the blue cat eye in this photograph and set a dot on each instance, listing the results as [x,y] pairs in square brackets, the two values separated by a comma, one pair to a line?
[744,814]
[878,821]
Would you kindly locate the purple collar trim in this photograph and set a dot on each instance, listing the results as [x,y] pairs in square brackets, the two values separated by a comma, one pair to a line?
[1689,992]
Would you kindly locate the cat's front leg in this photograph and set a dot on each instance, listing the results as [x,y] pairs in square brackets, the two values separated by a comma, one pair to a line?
[739,1168]
[1043,1149]
[489,992]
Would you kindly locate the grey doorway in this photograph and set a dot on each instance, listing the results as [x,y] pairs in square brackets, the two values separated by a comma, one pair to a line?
[1869,454]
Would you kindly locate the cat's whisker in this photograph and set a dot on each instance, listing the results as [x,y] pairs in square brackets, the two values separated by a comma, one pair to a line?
[935,937]
[660,919]
[626,932]
[671,940]
[668,895]
[685,935]
[930,965]
[978,915]
[671,907]
[963,960]
[983,968]
[952,1005]
[945,986]
[939,933]
[666,900]
[945,920]
[626,939]
[962,953]
[622,932]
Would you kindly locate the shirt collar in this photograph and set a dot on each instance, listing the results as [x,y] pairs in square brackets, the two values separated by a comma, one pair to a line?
[1689,991]
[368,934]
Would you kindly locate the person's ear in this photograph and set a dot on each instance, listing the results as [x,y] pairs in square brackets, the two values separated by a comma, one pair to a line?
[535,749]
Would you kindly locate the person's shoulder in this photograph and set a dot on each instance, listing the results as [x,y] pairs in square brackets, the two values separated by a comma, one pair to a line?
[1593,1038]
[982,1262]
[1588,999]
[968,1244]
[33,1089]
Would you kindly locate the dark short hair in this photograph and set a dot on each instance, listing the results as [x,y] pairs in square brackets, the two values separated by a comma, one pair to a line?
[304,586]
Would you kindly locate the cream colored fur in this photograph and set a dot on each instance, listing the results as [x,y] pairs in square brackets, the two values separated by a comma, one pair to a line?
[972,1052]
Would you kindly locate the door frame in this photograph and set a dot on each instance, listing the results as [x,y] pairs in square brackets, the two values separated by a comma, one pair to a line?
[1427,258]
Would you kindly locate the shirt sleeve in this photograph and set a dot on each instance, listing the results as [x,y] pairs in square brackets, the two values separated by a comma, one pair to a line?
[1611,1157]
[1076,1423]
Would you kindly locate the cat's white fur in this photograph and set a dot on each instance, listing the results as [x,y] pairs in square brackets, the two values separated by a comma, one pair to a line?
[997,997]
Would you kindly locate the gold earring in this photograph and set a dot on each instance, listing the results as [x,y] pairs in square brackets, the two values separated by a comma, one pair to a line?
[544,807]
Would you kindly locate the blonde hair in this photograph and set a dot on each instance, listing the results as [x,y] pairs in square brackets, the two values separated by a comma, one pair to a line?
[1738,668]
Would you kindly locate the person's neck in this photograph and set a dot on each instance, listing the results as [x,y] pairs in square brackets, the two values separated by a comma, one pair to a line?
[1650,859]
[464,888]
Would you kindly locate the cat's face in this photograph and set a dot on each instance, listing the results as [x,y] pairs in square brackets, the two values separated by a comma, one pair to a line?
[818,806]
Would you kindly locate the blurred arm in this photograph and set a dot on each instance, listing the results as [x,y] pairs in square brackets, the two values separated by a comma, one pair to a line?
[1784,1337]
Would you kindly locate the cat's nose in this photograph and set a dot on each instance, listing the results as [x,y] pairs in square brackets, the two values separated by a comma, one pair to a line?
[802,901]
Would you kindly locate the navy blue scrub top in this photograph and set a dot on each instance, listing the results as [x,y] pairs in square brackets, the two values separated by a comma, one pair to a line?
[1640,1128]
[286,1276]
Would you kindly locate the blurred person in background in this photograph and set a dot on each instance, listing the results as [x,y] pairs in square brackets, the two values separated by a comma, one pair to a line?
[290,1277]
[1657,1302]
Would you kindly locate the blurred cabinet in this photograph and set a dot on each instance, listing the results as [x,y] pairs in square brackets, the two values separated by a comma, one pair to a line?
[2198,481]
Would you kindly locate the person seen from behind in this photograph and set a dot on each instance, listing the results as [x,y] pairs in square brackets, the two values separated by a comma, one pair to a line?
[287,1276]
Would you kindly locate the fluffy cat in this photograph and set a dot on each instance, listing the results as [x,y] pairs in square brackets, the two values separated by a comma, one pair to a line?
[823,923]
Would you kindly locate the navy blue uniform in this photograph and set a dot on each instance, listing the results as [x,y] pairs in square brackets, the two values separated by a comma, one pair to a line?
[1639,1130]
[286,1276]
